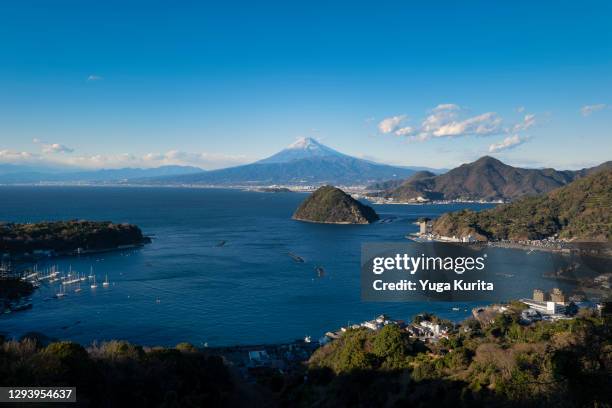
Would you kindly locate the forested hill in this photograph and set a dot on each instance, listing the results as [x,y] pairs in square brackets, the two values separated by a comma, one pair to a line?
[580,211]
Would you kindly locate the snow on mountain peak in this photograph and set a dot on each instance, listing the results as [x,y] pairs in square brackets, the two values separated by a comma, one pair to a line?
[303,148]
[305,143]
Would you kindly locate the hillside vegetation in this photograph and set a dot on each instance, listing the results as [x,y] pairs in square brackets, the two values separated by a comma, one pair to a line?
[580,211]
[65,236]
[504,364]
[119,374]
[331,205]
[567,363]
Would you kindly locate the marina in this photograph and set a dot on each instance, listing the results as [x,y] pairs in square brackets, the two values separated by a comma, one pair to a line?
[69,281]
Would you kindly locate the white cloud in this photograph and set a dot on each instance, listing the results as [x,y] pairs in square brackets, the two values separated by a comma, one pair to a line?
[51,148]
[94,78]
[57,148]
[446,107]
[485,124]
[520,109]
[8,156]
[390,124]
[445,121]
[528,121]
[508,143]
[587,110]
[404,131]
[171,157]
[450,120]
[96,161]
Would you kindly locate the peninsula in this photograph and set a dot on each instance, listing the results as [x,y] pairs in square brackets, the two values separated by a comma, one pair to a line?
[67,237]
[331,205]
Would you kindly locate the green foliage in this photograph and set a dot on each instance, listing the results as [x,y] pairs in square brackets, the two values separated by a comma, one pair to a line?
[117,350]
[391,346]
[66,351]
[580,210]
[363,349]
[563,363]
[62,236]
[117,373]
[332,205]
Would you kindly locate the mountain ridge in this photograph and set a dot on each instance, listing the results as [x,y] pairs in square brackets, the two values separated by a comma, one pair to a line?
[579,211]
[486,179]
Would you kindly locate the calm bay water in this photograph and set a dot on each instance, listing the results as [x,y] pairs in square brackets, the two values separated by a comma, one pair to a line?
[183,287]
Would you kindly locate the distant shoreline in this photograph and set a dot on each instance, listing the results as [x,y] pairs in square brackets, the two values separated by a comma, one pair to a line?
[568,249]
[356,191]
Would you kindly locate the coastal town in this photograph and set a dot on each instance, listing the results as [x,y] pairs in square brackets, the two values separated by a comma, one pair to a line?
[552,243]
[544,306]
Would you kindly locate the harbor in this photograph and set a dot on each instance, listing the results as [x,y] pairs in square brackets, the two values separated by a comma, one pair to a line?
[55,281]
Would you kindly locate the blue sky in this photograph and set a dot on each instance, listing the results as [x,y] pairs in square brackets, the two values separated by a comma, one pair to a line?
[107,84]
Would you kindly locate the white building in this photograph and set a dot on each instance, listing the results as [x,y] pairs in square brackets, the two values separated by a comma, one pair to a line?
[433,327]
[548,307]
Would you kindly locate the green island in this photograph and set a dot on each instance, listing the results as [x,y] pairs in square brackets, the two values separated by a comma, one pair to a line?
[580,211]
[67,237]
[493,362]
[331,205]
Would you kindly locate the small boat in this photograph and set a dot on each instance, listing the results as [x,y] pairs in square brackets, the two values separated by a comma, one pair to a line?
[105,283]
[296,258]
[94,285]
[29,276]
[221,243]
[456,309]
[320,271]
[61,293]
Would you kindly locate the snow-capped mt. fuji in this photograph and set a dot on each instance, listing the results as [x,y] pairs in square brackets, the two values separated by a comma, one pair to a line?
[303,148]
[305,162]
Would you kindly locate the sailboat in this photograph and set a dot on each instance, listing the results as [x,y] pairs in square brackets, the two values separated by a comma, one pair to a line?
[61,293]
[78,288]
[94,285]
[91,274]
[105,283]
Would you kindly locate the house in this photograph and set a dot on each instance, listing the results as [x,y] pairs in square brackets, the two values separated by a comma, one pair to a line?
[434,328]
[372,325]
